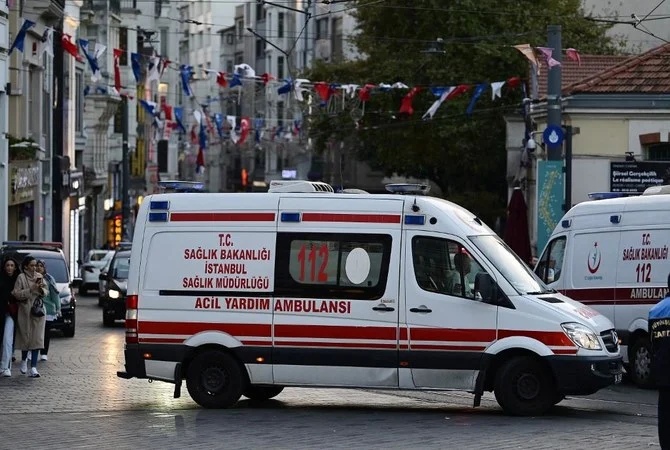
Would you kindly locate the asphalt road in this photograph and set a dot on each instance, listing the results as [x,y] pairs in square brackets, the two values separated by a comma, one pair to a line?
[79,402]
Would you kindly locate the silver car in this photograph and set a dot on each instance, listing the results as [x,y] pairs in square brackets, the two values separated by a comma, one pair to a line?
[90,269]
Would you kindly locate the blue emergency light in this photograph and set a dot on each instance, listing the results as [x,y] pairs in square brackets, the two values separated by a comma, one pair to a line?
[182,186]
[290,217]
[415,220]
[606,195]
[162,205]
[158,217]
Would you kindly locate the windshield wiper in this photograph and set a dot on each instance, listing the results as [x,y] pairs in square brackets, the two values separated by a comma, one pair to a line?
[548,291]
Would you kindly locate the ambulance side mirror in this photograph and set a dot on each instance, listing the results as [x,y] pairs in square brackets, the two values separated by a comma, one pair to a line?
[486,288]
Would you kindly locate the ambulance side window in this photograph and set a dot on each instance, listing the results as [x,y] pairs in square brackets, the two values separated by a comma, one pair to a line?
[332,265]
[444,266]
[550,266]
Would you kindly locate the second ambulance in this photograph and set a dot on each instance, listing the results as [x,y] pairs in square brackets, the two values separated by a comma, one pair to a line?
[245,294]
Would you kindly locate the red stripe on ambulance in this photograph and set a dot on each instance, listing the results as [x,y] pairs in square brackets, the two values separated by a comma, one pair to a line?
[222,217]
[355,218]
[191,328]
[335,332]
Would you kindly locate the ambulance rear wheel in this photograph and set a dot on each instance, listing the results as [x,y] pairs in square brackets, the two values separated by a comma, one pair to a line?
[524,387]
[214,380]
[254,392]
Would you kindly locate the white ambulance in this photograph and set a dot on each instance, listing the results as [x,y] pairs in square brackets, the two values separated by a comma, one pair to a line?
[612,255]
[244,294]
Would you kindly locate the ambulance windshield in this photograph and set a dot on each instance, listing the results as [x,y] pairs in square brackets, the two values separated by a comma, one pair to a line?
[510,265]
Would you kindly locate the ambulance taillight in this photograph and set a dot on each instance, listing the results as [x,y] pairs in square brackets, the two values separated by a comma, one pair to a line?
[131,319]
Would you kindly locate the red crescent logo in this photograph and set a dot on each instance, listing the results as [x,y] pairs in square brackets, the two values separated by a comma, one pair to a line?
[596,255]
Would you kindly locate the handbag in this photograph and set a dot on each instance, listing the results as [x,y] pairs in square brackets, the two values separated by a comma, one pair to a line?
[37,309]
[13,309]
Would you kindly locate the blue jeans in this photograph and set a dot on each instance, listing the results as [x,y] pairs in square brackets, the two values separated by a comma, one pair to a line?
[7,343]
[33,357]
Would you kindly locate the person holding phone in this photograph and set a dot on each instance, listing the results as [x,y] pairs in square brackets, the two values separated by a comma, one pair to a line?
[51,305]
[29,291]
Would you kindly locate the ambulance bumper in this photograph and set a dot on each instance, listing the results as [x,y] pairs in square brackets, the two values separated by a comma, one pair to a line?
[136,362]
[577,375]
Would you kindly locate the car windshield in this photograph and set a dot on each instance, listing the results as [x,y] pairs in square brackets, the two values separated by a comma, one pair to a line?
[56,268]
[120,268]
[99,256]
[509,265]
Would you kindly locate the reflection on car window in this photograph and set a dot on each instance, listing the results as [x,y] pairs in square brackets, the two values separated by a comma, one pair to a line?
[444,266]
[56,268]
[550,266]
[120,268]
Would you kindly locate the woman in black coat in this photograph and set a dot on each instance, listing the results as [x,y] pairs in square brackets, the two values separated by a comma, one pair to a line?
[8,308]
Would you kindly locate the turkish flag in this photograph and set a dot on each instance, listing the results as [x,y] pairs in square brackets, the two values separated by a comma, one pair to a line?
[70,46]
[245,127]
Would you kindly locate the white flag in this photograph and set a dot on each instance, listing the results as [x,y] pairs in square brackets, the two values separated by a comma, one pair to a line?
[436,105]
[497,89]
[47,44]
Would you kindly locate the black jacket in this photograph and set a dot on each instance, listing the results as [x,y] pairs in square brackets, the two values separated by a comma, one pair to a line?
[659,334]
[6,287]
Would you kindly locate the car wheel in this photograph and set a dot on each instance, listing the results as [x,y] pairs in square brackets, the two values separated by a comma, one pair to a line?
[262,392]
[640,363]
[107,320]
[524,387]
[69,331]
[215,380]
[83,290]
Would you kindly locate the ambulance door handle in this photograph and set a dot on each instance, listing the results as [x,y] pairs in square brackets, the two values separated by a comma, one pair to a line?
[421,309]
[383,308]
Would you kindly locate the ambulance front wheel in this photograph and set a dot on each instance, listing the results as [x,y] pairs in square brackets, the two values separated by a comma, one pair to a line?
[525,387]
[255,392]
[214,380]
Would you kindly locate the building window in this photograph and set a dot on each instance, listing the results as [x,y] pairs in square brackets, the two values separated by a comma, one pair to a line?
[658,152]
[280,67]
[240,30]
[230,38]
[123,45]
[259,11]
[312,265]
[337,40]
[229,66]
[118,119]
[78,102]
[239,58]
[280,25]
[322,29]
[164,42]
[280,114]
[259,48]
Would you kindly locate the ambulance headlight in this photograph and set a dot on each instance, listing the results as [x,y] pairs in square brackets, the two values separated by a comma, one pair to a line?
[582,336]
[113,293]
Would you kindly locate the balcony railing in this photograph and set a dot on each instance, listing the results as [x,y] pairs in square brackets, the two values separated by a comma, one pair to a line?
[128,4]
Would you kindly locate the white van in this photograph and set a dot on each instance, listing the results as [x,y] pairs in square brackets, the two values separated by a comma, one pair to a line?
[612,255]
[244,294]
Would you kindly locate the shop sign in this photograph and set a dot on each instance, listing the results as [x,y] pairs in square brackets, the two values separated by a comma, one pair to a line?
[636,176]
[24,177]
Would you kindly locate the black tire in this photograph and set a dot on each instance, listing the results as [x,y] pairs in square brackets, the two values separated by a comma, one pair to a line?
[107,320]
[639,363]
[524,387]
[83,290]
[215,380]
[69,331]
[255,392]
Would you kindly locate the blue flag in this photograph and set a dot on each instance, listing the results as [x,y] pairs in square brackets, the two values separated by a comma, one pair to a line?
[186,72]
[21,37]
[478,91]
[218,119]
[135,63]
[179,118]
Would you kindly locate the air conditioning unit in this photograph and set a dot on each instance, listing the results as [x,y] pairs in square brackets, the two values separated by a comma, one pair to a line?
[299,186]
[322,49]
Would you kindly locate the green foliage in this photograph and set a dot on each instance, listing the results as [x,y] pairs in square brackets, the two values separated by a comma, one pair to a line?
[21,153]
[465,156]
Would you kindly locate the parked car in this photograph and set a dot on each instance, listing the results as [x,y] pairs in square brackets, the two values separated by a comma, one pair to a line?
[90,269]
[52,254]
[116,285]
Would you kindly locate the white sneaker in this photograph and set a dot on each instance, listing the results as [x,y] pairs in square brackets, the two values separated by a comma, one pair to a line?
[34,373]
[24,366]
[6,373]
[44,358]
[30,356]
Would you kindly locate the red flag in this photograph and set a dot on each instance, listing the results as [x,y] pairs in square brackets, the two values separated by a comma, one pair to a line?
[266,78]
[117,71]
[324,91]
[514,82]
[70,46]
[221,79]
[245,127]
[168,111]
[460,89]
[200,161]
[164,63]
[406,104]
[573,55]
[364,94]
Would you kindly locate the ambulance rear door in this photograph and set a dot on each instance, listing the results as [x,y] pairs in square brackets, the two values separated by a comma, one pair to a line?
[336,286]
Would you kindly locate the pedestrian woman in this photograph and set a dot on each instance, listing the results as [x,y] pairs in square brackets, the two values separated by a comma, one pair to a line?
[29,291]
[51,305]
[8,311]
